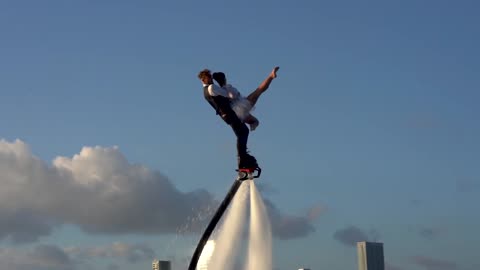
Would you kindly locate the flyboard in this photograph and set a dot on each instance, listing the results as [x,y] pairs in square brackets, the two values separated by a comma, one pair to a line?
[243,174]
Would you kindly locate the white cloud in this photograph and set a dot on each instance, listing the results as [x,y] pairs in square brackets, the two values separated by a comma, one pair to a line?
[97,189]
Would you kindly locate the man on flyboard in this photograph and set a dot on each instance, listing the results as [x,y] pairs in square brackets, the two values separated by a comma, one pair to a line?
[235,109]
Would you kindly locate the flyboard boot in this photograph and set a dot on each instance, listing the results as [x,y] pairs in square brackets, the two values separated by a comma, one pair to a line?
[247,166]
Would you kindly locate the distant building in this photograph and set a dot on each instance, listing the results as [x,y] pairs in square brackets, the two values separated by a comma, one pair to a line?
[161,265]
[370,256]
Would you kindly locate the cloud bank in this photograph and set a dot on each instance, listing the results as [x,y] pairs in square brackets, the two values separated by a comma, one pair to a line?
[102,193]
[97,189]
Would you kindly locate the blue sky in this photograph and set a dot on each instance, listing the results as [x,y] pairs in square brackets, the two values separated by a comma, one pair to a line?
[374,114]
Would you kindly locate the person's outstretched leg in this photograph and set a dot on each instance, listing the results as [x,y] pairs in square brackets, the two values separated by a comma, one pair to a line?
[253,97]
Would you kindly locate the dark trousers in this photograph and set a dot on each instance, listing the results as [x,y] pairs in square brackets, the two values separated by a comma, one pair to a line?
[240,130]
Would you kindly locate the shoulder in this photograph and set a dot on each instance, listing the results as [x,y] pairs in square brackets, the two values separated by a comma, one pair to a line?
[212,89]
[207,89]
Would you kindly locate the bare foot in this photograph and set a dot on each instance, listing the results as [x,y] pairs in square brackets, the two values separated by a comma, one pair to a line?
[273,74]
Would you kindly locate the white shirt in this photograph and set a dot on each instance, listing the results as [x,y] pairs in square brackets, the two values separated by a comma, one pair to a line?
[232,91]
[215,90]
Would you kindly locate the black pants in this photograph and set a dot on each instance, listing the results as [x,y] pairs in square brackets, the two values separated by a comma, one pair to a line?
[240,130]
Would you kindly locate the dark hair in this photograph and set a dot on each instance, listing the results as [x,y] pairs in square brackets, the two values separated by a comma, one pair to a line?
[220,78]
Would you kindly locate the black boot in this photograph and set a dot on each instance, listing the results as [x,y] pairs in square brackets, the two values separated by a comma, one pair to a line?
[247,161]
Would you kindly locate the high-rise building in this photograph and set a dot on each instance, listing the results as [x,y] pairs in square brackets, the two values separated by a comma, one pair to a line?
[370,256]
[161,265]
